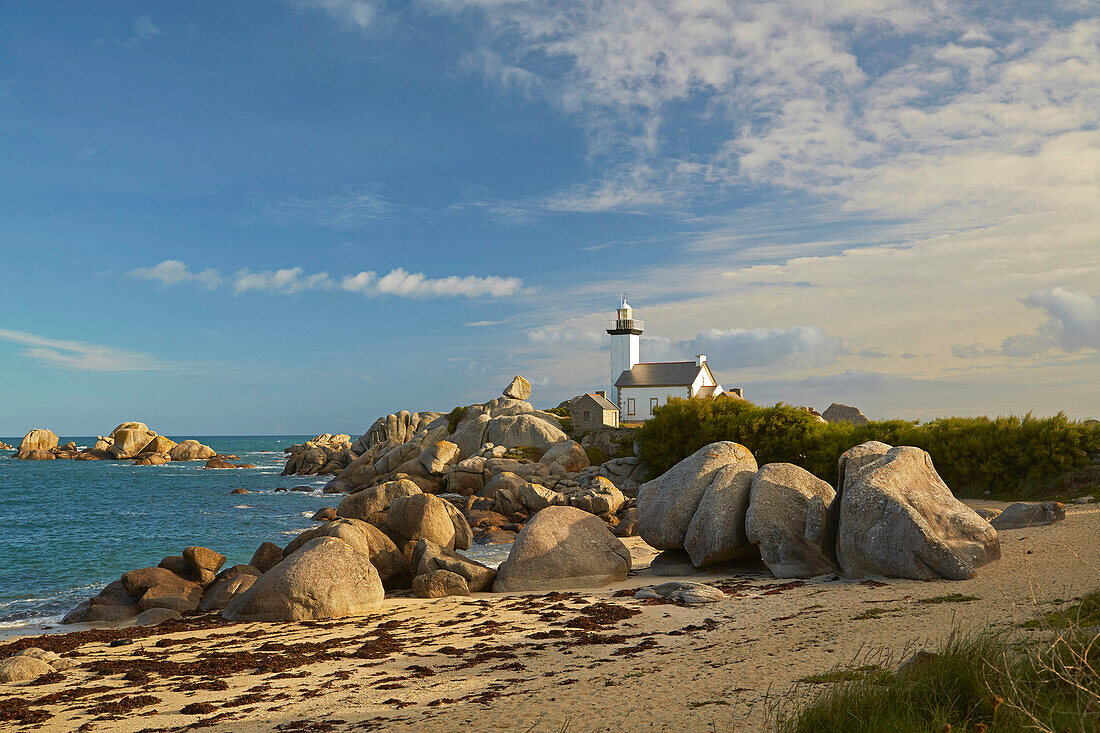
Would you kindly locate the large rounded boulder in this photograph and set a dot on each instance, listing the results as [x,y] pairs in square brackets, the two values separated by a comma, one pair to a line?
[788,519]
[514,431]
[191,450]
[129,439]
[563,547]
[363,537]
[326,578]
[899,519]
[717,531]
[667,504]
[369,502]
[422,516]
[38,439]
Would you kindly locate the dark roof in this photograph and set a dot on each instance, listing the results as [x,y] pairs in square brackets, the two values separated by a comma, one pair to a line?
[603,402]
[661,374]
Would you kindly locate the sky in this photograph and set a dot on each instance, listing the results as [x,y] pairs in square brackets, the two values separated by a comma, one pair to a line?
[295,216]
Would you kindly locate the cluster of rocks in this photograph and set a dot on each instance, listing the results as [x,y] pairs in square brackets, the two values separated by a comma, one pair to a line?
[892,516]
[391,537]
[500,462]
[129,441]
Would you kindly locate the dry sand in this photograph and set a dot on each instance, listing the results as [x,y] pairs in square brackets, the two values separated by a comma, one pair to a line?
[591,660]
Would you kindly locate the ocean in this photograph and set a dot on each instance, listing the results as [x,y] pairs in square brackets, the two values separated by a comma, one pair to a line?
[71,527]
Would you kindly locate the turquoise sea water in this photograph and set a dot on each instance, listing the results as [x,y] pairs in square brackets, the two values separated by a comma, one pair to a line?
[71,527]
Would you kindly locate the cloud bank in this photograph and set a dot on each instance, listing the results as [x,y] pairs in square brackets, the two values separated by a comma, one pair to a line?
[289,281]
[78,355]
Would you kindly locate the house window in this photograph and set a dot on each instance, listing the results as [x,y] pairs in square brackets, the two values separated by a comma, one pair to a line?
[630,406]
[587,416]
[652,404]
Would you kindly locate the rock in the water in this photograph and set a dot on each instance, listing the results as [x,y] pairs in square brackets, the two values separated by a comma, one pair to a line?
[440,583]
[899,519]
[683,592]
[326,578]
[362,537]
[22,668]
[428,556]
[667,504]
[38,439]
[216,462]
[129,439]
[191,450]
[788,519]
[159,444]
[368,502]
[519,389]
[844,413]
[421,516]
[1024,514]
[515,431]
[202,558]
[267,556]
[563,547]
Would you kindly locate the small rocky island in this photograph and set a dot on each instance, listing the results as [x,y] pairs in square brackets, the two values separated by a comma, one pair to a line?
[132,441]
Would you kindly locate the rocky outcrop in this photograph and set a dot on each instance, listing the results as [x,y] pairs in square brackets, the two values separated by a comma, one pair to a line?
[373,501]
[788,519]
[898,518]
[563,547]
[326,578]
[1024,514]
[716,533]
[519,389]
[364,538]
[129,439]
[38,439]
[428,556]
[191,450]
[523,430]
[667,504]
[567,455]
[837,412]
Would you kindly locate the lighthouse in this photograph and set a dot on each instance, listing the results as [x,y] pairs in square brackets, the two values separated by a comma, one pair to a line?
[624,332]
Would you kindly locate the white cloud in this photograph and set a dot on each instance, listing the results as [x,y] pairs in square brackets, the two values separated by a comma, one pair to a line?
[565,335]
[281,282]
[346,210]
[78,355]
[176,272]
[418,285]
[145,28]
[359,14]
[1073,323]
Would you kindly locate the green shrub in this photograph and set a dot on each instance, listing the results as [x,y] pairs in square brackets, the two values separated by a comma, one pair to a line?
[559,411]
[1007,456]
[595,454]
[525,452]
[455,417]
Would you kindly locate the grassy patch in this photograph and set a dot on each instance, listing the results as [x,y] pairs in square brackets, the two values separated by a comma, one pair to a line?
[995,683]
[1085,613]
[595,454]
[525,452]
[952,598]
[701,703]
[455,417]
[849,674]
[870,613]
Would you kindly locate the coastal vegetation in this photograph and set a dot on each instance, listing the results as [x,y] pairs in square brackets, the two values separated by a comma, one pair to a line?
[1002,457]
[1046,680]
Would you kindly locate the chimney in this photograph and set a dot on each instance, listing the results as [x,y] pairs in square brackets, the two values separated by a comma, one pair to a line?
[700,359]
[602,393]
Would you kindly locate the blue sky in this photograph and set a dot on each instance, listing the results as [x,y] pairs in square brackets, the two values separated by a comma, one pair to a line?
[273,217]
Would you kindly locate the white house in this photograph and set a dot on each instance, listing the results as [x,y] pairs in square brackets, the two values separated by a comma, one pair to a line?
[638,388]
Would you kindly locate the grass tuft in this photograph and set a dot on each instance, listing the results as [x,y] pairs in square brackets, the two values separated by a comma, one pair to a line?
[992,682]
[952,598]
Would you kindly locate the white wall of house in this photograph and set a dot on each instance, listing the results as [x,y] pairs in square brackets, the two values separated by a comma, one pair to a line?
[702,379]
[643,400]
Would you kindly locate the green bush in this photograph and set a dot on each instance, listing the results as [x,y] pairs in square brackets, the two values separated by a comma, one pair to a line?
[1007,456]
[455,417]
[595,454]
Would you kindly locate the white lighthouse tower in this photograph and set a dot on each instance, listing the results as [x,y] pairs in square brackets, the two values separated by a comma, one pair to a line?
[624,332]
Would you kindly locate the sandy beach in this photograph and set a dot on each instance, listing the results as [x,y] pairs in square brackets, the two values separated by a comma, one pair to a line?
[588,660]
